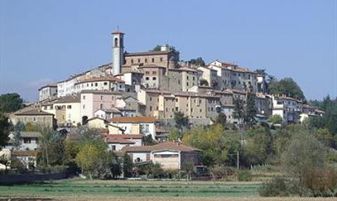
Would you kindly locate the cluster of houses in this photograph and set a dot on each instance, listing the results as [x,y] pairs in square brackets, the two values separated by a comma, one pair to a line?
[138,94]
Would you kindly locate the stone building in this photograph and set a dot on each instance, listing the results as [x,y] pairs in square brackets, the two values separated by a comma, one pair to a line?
[47,92]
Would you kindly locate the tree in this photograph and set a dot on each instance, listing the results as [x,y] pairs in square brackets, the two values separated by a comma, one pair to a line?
[250,110]
[175,135]
[239,111]
[17,134]
[52,147]
[198,61]
[257,146]
[218,145]
[303,154]
[286,86]
[92,156]
[329,119]
[275,119]
[204,82]
[221,119]
[10,102]
[127,165]
[5,128]
[181,120]
[148,140]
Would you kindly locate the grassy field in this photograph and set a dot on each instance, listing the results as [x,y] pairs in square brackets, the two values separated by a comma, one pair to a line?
[76,189]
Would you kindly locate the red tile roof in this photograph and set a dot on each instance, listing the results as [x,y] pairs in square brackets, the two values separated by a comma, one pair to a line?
[172,146]
[133,120]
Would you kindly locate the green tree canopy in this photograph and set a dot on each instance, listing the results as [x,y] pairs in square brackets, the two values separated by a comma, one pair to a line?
[275,119]
[286,86]
[5,128]
[217,145]
[197,61]
[181,120]
[10,102]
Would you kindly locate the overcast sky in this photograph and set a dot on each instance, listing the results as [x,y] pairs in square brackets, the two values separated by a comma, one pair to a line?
[47,41]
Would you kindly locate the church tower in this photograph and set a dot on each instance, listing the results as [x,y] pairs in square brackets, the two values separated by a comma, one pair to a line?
[117,52]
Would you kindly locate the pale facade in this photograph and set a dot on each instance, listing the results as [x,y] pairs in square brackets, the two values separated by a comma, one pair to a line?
[100,83]
[91,101]
[47,92]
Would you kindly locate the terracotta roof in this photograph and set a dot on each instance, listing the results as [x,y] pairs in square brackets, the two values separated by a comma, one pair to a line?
[133,120]
[184,69]
[97,79]
[69,99]
[118,141]
[48,85]
[146,53]
[101,92]
[151,66]
[124,136]
[33,112]
[172,146]
[24,153]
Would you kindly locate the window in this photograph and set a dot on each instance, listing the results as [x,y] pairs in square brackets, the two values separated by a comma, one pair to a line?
[145,60]
[132,61]
[150,108]
[161,59]
[187,77]
[113,147]
[83,97]
[101,97]
[68,106]
[105,83]
[152,60]
[193,78]
[154,73]
[150,98]
[154,78]
[116,42]
[27,140]
[101,106]
[83,106]
[138,60]
[147,78]
[147,73]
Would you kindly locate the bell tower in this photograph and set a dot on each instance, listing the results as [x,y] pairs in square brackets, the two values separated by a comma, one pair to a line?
[117,51]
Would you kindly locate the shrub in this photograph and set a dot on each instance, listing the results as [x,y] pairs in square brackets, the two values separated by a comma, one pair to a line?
[244,175]
[276,187]
[220,171]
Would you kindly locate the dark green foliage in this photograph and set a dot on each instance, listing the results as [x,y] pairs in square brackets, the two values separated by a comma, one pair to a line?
[286,86]
[250,110]
[329,119]
[148,140]
[150,169]
[198,61]
[10,102]
[204,82]
[277,187]
[244,175]
[239,109]
[5,128]
[17,134]
[51,147]
[257,147]
[127,166]
[221,119]
[181,120]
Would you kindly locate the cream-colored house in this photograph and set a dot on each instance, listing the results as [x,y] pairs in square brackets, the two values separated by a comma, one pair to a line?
[136,125]
[99,123]
[34,116]
[170,155]
[92,100]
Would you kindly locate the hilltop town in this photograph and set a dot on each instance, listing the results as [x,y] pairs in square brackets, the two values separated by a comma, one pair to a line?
[140,94]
